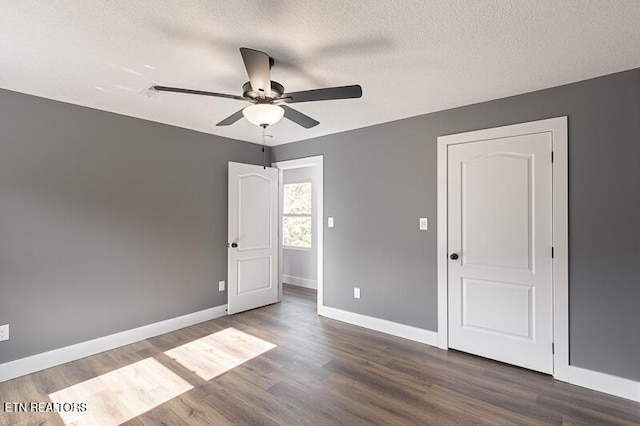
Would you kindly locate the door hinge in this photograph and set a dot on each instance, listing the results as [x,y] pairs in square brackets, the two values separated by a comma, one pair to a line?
[552,156]
[552,253]
[553,348]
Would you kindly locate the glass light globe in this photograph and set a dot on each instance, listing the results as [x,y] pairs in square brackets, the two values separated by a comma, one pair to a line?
[263,114]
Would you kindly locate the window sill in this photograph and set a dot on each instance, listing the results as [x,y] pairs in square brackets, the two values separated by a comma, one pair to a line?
[297,248]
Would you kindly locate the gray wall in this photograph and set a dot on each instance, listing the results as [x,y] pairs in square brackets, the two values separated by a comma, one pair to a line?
[379,180]
[106,222]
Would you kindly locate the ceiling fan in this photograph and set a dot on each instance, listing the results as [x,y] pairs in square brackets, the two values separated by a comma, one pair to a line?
[268,97]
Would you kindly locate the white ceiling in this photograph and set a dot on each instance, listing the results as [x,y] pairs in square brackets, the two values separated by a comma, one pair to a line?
[411,57]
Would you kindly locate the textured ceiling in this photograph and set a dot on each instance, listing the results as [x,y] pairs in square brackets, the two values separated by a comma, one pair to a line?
[411,57]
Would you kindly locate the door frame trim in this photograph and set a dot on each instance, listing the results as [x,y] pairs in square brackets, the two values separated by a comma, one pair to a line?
[558,129]
[317,162]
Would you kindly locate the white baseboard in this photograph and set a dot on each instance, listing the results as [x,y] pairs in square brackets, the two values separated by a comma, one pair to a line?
[602,382]
[384,326]
[31,364]
[300,282]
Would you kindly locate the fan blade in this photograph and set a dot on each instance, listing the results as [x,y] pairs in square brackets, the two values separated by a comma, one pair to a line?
[196,92]
[231,119]
[329,93]
[299,118]
[258,69]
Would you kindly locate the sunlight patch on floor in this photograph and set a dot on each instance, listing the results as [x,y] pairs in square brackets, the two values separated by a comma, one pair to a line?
[122,394]
[219,352]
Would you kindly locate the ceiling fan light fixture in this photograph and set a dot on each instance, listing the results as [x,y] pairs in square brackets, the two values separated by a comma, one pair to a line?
[263,114]
[261,91]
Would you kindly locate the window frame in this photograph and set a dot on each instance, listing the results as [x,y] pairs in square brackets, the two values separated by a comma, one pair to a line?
[310,215]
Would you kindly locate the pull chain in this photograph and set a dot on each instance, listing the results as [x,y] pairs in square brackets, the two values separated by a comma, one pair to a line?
[264,142]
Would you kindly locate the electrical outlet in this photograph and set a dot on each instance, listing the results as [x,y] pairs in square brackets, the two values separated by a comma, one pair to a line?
[356,292]
[424,224]
[220,285]
[4,332]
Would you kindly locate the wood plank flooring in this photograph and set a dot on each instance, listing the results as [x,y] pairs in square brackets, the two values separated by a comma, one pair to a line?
[320,372]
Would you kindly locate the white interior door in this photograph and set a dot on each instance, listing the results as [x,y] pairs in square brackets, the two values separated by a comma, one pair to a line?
[253,237]
[500,249]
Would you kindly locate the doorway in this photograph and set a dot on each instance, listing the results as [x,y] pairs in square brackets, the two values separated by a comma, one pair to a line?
[301,223]
[502,244]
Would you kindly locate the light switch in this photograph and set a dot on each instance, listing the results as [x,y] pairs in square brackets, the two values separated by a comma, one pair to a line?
[330,222]
[424,224]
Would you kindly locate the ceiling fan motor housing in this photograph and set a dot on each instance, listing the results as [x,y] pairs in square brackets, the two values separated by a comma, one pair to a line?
[277,90]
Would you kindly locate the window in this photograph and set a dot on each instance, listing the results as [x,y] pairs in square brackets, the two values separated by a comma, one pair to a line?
[296,217]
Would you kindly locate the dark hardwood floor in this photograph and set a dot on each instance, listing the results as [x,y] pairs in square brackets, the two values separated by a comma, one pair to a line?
[321,371]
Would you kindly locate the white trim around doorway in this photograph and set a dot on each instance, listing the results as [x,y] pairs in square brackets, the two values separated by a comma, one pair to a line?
[317,163]
[558,129]
[562,370]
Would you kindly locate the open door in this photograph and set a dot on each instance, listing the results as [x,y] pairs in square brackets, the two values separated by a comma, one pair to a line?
[253,237]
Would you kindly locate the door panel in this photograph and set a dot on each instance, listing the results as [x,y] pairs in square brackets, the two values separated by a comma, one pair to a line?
[500,225]
[253,227]
[503,308]
[496,208]
[254,206]
[251,273]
